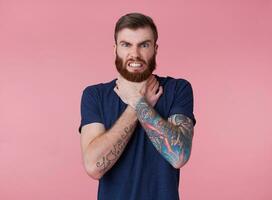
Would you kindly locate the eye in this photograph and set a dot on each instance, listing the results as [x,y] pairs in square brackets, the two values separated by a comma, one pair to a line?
[124,44]
[145,45]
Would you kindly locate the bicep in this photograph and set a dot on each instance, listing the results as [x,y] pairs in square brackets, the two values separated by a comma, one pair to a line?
[89,132]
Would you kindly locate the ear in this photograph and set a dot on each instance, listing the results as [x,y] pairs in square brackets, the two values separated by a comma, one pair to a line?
[114,49]
[156,48]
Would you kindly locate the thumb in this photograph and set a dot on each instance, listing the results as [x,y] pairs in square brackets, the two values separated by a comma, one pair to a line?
[116,90]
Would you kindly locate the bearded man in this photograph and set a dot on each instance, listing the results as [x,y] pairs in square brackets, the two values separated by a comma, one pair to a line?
[137,130]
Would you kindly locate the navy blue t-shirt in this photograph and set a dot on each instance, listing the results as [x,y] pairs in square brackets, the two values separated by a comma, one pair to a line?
[141,173]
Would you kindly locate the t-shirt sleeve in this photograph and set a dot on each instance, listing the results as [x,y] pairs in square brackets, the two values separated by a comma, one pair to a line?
[183,102]
[89,107]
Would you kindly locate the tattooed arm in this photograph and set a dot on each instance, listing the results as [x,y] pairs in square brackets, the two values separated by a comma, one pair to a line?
[101,152]
[172,138]
[101,149]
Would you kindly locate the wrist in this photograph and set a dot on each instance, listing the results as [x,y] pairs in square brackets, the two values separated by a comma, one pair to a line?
[130,109]
[135,101]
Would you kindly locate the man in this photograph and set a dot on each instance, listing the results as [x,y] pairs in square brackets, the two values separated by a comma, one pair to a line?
[137,130]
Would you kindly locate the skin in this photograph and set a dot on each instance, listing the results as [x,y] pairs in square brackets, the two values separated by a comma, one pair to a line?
[172,137]
[139,46]
[101,148]
[135,45]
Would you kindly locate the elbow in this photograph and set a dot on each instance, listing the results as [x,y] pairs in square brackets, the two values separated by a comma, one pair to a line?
[179,164]
[92,170]
[183,159]
[94,176]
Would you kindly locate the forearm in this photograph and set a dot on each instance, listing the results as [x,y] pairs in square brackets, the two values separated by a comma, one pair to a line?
[172,141]
[103,152]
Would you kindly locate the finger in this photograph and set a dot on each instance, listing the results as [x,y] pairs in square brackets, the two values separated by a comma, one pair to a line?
[155,88]
[152,83]
[143,90]
[117,86]
[160,91]
[116,90]
[117,82]
[150,79]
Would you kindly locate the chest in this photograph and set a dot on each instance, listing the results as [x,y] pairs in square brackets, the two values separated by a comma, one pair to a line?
[112,107]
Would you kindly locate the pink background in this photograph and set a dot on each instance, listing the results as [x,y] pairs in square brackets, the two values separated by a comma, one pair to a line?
[51,50]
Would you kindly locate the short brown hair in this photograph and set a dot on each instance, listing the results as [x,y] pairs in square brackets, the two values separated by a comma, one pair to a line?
[135,21]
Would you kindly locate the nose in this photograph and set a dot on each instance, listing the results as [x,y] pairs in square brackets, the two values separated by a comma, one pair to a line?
[134,53]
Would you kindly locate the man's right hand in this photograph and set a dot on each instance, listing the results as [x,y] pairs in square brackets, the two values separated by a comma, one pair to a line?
[131,92]
[152,85]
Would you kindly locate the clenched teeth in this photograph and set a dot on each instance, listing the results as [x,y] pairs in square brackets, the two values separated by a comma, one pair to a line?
[135,64]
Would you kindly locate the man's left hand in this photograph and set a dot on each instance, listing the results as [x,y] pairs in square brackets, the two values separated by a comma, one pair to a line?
[129,92]
[132,92]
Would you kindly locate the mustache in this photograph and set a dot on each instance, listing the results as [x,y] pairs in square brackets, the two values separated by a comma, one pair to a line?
[135,60]
[121,66]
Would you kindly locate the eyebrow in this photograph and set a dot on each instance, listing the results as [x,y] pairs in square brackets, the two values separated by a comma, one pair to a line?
[145,41]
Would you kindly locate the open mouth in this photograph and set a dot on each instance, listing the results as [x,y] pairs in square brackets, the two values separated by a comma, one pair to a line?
[135,65]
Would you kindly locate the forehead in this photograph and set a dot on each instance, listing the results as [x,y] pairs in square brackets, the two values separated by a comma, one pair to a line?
[135,36]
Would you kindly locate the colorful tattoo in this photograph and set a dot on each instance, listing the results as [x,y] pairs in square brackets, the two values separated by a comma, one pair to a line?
[172,138]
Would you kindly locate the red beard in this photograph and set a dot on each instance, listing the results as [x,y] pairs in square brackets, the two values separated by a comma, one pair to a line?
[135,76]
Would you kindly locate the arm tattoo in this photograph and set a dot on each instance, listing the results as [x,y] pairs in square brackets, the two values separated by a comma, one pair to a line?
[172,138]
[111,157]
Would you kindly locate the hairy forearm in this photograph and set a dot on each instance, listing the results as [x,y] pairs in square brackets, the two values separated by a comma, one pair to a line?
[172,141]
[103,152]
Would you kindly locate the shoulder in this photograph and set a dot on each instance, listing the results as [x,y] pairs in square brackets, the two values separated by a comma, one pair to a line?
[180,81]
[177,83]
[99,87]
